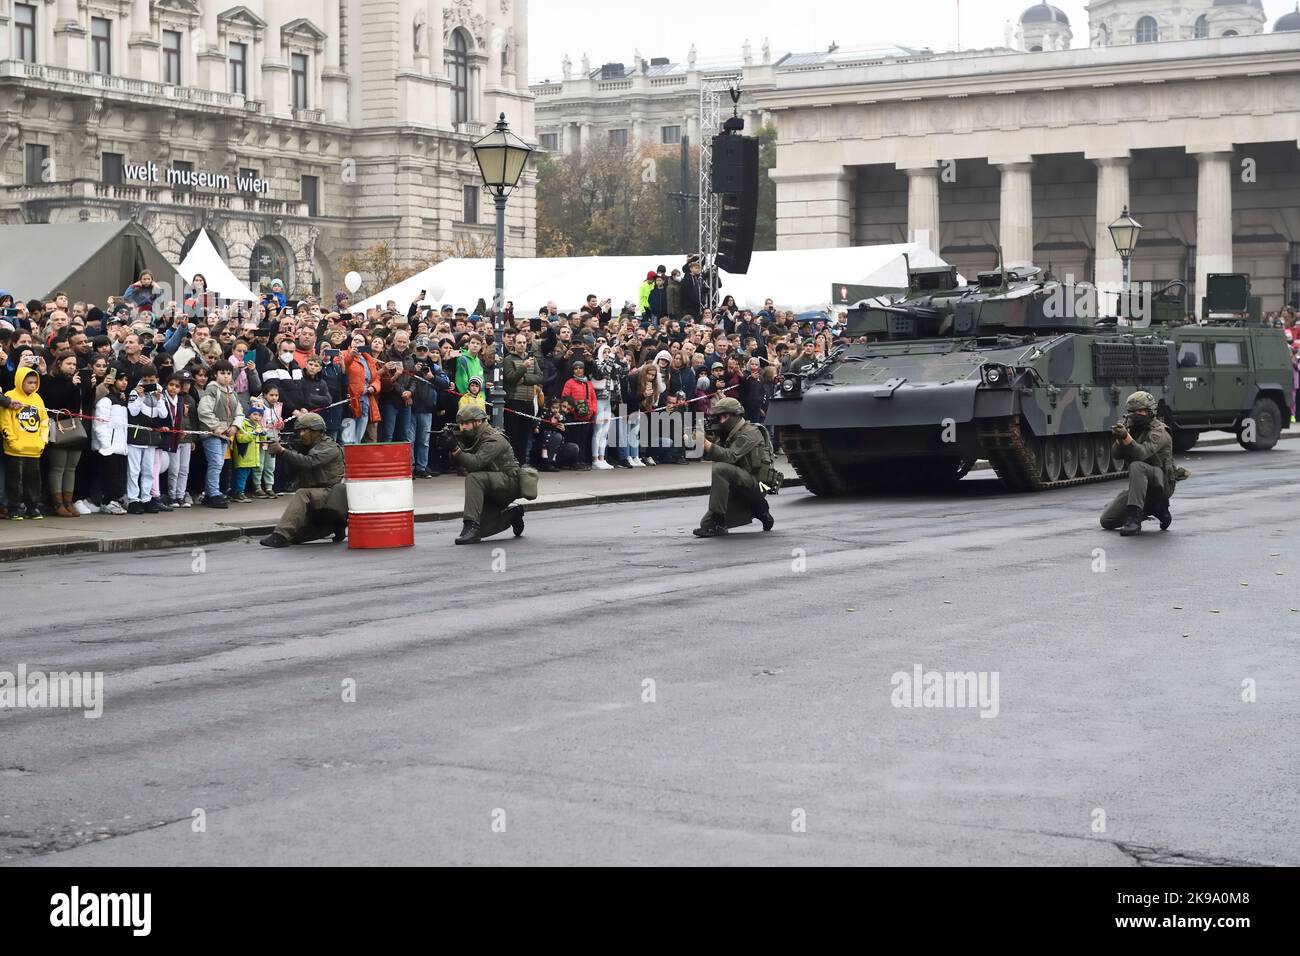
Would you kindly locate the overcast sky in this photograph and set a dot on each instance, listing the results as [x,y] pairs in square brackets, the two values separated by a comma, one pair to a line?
[609,31]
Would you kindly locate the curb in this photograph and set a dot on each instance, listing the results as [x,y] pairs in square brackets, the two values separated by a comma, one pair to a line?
[222,535]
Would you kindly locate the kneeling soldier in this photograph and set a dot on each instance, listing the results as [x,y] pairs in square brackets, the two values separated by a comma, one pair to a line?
[1142,440]
[742,472]
[319,506]
[492,477]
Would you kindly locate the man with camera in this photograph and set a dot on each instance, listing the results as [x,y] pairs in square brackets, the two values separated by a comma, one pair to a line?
[1143,441]
[319,504]
[522,373]
[493,477]
[743,471]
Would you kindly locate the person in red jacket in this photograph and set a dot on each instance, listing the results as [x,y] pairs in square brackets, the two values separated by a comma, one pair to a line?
[362,419]
[582,394]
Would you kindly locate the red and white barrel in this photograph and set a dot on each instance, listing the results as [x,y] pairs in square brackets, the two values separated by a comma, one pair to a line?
[381,495]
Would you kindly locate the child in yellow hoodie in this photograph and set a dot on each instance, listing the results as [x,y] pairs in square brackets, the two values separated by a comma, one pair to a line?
[26,428]
[474,395]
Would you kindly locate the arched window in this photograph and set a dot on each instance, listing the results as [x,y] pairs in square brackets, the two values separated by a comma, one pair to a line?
[1147,30]
[459,70]
[270,259]
[1229,33]
[1035,49]
[1202,27]
[1103,36]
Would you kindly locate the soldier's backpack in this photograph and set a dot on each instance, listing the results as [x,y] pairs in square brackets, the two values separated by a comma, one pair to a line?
[768,474]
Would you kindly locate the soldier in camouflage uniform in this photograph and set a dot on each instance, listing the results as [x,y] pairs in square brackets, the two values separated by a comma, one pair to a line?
[491,479]
[1144,442]
[741,456]
[319,506]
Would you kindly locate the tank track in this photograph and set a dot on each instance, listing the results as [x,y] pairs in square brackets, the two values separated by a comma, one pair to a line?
[1001,442]
[807,455]
[1015,462]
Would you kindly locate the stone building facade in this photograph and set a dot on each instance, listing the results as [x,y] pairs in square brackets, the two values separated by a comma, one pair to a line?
[294,132]
[1037,152]
[645,102]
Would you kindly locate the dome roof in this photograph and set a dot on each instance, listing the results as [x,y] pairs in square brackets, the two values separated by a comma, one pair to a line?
[1044,13]
[1290,21]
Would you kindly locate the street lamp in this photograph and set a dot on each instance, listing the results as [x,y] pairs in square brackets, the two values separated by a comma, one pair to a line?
[501,158]
[1124,232]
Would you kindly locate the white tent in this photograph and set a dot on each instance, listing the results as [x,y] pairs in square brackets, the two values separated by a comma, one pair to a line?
[794,278]
[203,257]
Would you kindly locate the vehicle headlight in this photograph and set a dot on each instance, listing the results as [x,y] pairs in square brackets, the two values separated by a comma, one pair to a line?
[994,375]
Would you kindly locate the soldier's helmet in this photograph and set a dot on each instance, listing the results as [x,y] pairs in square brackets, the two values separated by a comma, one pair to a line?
[1141,400]
[727,406]
[311,422]
[470,413]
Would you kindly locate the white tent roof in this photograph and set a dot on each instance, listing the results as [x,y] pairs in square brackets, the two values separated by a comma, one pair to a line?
[794,278]
[203,257]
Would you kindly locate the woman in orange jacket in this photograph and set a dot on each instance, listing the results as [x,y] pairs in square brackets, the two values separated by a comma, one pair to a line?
[362,418]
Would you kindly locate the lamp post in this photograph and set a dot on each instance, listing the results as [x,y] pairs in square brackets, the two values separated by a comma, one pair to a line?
[501,158]
[1124,232]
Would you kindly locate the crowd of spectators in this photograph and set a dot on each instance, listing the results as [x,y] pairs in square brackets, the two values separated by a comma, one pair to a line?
[149,404]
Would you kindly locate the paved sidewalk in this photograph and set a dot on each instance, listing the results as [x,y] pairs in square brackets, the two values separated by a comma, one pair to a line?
[436,499]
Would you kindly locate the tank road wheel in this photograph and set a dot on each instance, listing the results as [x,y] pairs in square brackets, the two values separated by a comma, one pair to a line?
[1267,419]
[1087,456]
[1184,440]
[1069,456]
[1101,453]
[1049,459]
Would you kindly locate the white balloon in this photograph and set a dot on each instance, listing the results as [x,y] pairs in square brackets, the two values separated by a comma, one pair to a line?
[433,293]
[352,281]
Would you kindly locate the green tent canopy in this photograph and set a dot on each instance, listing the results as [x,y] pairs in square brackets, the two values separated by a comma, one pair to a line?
[88,260]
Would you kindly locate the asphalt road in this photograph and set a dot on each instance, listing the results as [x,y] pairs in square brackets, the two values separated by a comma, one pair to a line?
[501,714]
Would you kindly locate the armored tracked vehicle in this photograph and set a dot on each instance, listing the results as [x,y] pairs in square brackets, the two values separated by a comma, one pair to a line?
[1021,371]
[1014,368]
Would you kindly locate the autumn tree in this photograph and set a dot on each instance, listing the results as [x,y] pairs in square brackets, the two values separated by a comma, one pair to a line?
[609,201]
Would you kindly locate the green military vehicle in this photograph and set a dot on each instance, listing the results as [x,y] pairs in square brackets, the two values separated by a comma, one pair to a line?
[1234,372]
[1016,369]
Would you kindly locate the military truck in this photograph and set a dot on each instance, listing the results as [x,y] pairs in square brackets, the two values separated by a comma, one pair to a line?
[1014,368]
[1234,373]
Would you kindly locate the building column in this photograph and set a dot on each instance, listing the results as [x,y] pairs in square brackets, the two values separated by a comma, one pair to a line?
[70,45]
[923,207]
[334,81]
[208,54]
[814,209]
[1112,197]
[275,69]
[1016,220]
[142,48]
[1213,215]
[584,138]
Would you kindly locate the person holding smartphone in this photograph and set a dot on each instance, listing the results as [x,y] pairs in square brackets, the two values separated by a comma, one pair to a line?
[362,415]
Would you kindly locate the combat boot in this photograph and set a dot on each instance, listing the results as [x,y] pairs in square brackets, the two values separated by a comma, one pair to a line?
[1132,521]
[710,527]
[1164,517]
[766,520]
[469,534]
[340,530]
[274,540]
[517,519]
